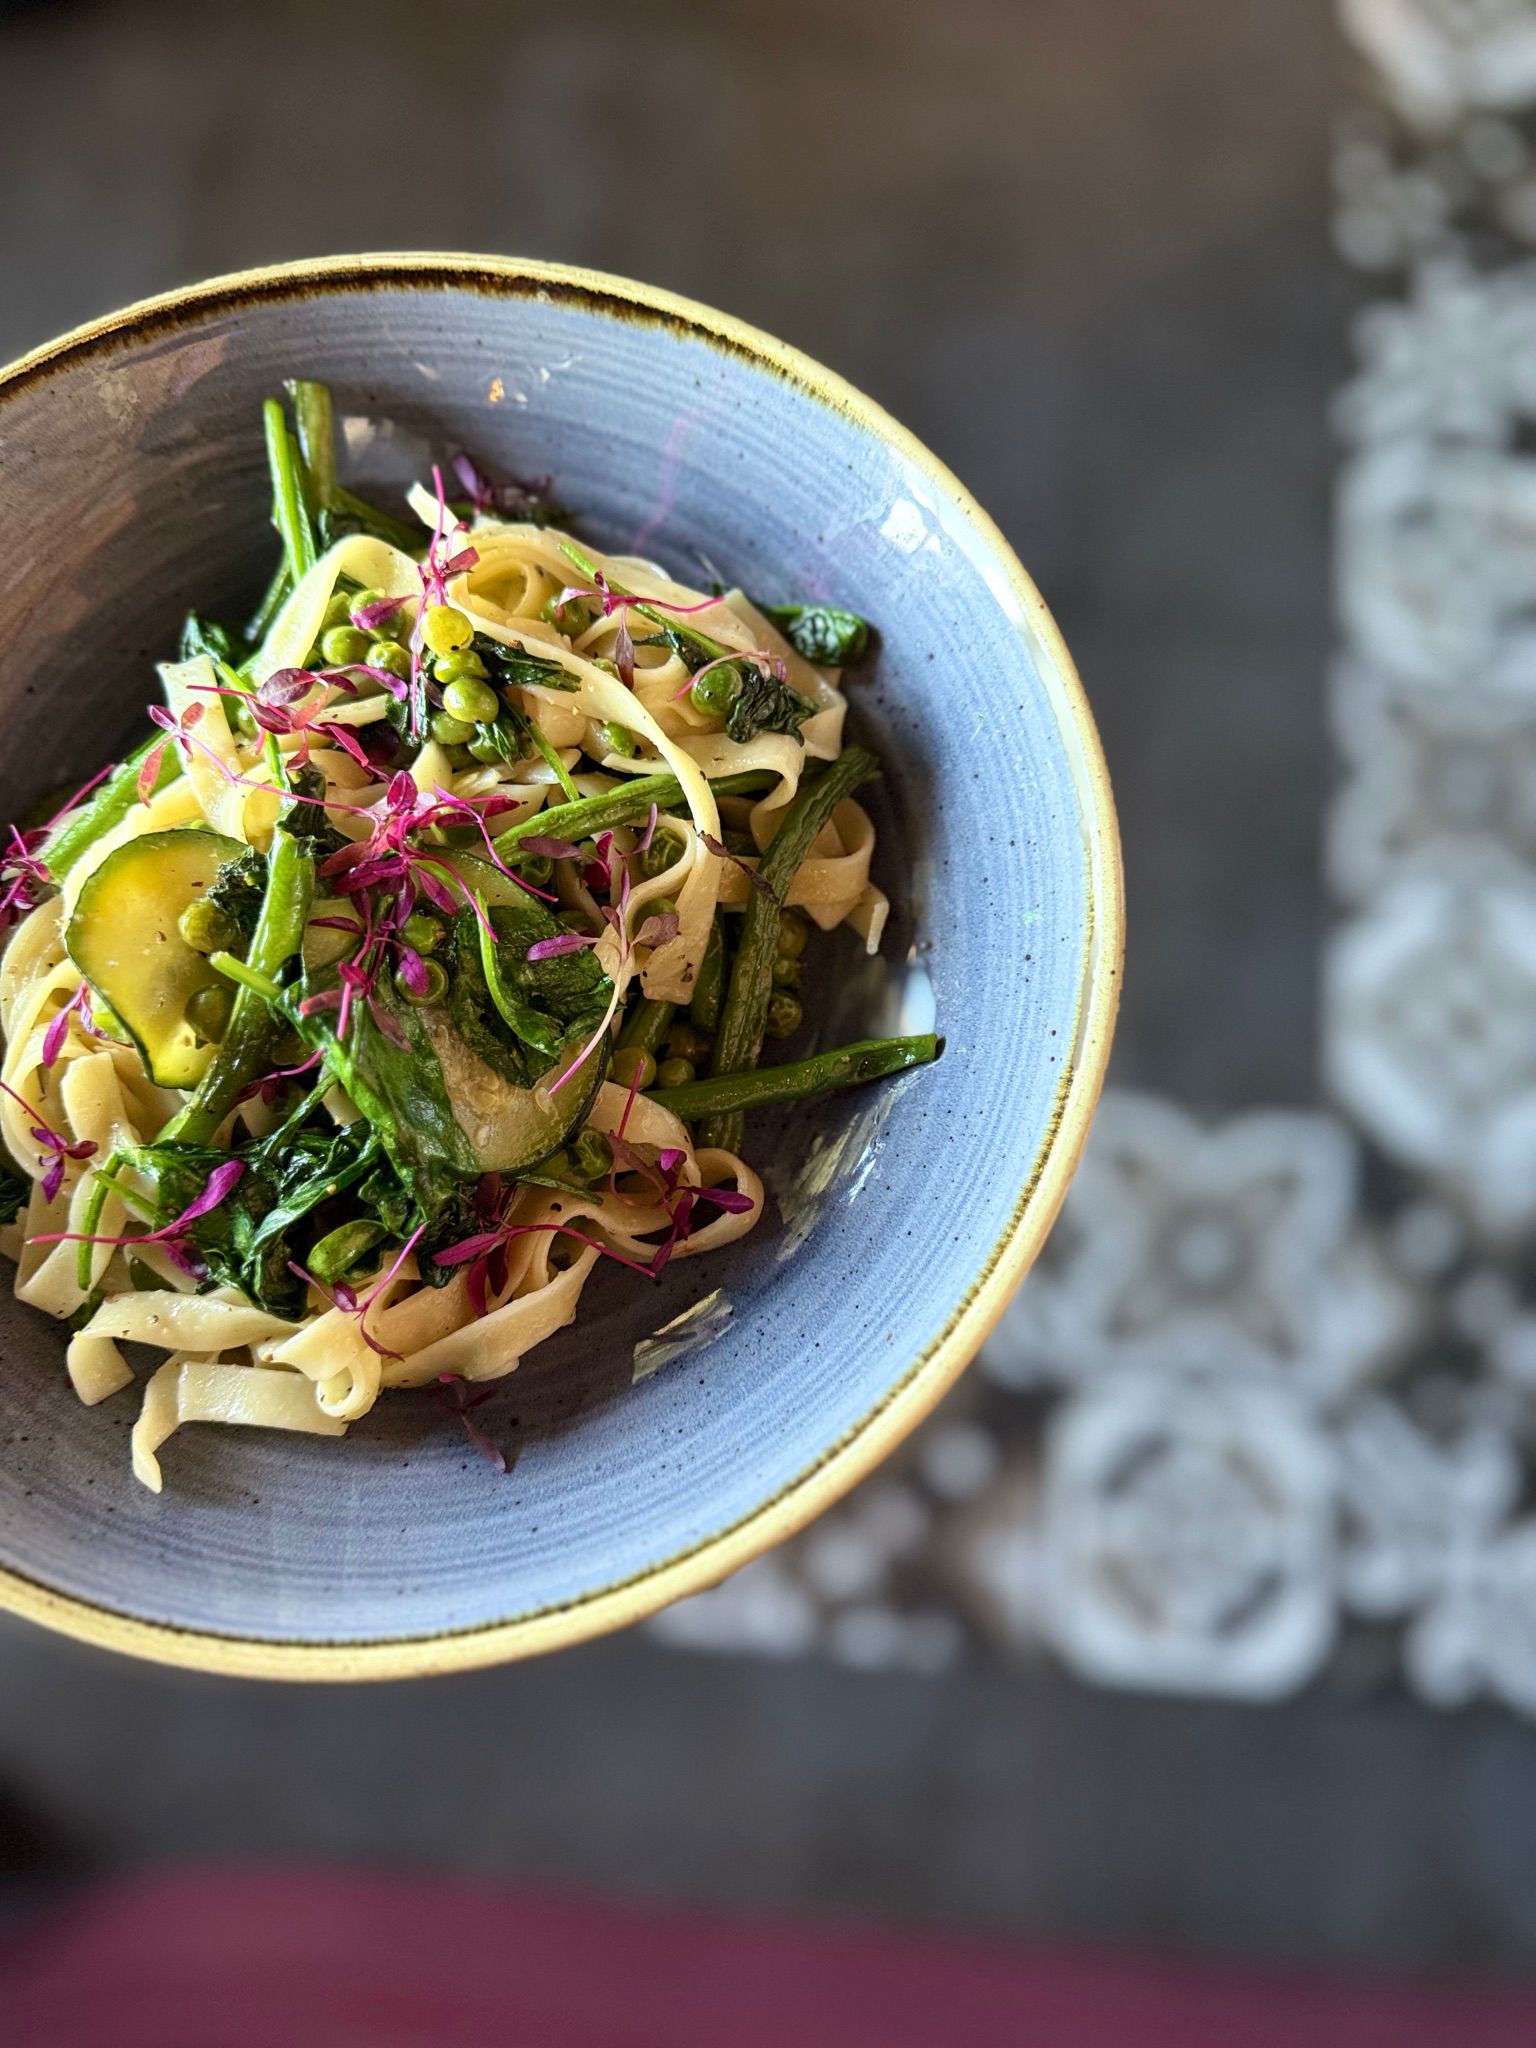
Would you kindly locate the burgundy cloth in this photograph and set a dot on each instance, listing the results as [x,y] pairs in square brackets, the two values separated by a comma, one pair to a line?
[307,1959]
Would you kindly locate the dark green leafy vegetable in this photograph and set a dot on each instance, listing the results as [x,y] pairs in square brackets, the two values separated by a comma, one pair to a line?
[761,703]
[266,1220]
[691,649]
[303,816]
[821,633]
[540,1002]
[206,636]
[517,668]
[396,1058]
[237,893]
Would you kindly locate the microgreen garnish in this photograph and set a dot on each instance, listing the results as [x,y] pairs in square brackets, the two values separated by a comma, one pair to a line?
[56,1149]
[172,1237]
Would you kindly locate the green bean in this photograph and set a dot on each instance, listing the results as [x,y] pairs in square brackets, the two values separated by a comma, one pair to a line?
[253,1025]
[289,515]
[708,989]
[647,1024]
[724,1095]
[743,1014]
[626,805]
[107,805]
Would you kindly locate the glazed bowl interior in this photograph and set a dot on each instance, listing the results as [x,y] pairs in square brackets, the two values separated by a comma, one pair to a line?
[674,1429]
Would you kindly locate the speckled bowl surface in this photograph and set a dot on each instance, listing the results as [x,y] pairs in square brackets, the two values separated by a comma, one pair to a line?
[132,485]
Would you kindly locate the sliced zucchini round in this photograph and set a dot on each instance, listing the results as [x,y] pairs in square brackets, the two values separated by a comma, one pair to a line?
[509,1129]
[125,939]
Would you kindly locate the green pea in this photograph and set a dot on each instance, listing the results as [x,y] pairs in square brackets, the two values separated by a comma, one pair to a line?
[452,668]
[208,929]
[784,1015]
[444,627]
[663,851]
[617,739]
[344,644]
[686,1042]
[793,933]
[422,931]
[436,986]
[389,656]
[471,702]
[208,1011]
[591,1155]
[786,972]
[715,689]
[571,618]
[449,732]
[391,628]
[339,611]
[675,1073]
[629,1061]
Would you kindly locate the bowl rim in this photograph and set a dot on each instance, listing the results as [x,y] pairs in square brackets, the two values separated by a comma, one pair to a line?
[927,1377]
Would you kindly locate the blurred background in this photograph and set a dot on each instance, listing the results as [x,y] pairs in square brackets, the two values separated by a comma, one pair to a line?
[1201,1623]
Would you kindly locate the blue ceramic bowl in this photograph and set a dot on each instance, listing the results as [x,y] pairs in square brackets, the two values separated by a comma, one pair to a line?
[132,484]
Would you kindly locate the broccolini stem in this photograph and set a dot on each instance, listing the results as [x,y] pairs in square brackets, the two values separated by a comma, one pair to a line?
[313,417]
[725,1095]
[288,513]
[745,1009]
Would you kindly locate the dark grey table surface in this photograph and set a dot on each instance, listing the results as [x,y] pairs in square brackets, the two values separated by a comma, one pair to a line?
[1079,246]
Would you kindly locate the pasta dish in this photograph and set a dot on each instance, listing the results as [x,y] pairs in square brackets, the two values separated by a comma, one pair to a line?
[432,947]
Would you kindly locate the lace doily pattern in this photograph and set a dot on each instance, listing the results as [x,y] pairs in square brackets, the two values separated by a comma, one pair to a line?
[1273,1379]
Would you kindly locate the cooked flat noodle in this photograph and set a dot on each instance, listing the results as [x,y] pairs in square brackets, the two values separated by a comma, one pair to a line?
[832,884]
[209,1390]
[97,1369]
[185,1322]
